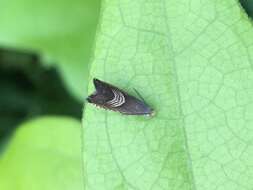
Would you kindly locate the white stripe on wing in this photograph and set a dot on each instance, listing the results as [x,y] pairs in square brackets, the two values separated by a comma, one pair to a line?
[117,100]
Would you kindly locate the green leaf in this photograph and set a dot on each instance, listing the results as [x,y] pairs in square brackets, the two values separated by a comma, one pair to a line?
[192,62]
[44,154]
[62,31]
[248,6]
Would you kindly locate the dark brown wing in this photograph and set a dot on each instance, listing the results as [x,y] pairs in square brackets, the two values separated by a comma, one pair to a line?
[110,97]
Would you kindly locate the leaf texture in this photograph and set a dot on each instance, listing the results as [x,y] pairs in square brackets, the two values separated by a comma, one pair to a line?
[192,61]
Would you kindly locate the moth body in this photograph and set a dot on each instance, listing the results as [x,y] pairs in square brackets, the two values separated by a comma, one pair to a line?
[110,97]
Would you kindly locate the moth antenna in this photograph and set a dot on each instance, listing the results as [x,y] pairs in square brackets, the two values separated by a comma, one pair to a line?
[138,94]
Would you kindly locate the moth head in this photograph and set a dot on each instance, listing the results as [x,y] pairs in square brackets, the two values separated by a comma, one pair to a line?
[102,93]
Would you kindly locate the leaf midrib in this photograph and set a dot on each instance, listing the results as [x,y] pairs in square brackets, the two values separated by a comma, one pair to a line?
[178,97]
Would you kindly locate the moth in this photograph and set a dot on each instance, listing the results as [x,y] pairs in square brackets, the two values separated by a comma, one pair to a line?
[112,98]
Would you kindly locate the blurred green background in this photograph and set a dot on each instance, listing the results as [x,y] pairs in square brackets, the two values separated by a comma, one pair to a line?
[45,51]
[45,48]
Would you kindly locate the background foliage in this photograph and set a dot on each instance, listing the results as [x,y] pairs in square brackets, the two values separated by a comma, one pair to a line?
[45,48]
[45,56]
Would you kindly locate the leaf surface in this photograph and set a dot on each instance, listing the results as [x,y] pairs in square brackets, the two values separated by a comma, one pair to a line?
[192,62]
